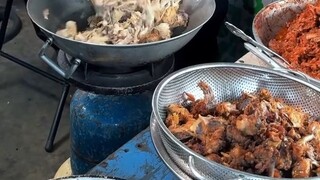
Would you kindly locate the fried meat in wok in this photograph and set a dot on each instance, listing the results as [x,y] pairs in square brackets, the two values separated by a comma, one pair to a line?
[257,133]
[129,22]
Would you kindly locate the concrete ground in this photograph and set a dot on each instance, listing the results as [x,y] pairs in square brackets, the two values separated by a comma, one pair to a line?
[28,102]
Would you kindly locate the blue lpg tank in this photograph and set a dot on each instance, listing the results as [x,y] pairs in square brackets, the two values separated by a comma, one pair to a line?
[100,124]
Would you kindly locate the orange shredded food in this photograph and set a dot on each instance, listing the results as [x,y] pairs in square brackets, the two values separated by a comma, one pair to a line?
[299,41]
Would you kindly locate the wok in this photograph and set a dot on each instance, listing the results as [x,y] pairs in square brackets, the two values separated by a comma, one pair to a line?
[270,20]
[51,15]
[273,17]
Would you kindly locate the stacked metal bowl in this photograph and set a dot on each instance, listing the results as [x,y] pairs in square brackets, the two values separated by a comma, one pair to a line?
[228,81]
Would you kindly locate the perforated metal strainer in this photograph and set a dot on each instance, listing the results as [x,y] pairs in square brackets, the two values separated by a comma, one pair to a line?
[228,81]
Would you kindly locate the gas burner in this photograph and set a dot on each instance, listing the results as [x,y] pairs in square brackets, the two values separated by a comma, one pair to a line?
[106,80]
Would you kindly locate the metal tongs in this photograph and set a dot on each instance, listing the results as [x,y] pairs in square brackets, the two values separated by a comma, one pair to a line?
[267,55]
[261,51]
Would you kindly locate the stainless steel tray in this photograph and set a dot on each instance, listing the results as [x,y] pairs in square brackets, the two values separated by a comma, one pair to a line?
[155,136]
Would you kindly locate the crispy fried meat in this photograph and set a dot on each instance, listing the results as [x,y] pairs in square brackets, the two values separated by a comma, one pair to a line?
[257,133]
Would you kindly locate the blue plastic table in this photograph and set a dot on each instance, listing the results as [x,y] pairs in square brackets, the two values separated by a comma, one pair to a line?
[137,159]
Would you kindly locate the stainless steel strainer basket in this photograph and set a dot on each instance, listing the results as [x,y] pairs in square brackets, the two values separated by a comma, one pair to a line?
[228,81]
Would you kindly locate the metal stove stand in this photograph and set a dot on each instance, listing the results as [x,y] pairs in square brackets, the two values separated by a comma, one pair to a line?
[62,82]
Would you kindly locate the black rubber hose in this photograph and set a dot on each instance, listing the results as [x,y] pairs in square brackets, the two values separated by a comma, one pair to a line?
[14,25]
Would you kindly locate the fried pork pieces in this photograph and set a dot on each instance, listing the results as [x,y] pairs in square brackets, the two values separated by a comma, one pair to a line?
[257,133]
[129,22]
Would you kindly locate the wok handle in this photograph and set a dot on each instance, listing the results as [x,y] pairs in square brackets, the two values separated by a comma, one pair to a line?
[53,65]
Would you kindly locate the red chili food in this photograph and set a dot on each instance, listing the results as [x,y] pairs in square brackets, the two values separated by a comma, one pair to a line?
[299,41]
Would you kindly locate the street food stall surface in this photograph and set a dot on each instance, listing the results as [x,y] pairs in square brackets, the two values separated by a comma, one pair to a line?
[137,159]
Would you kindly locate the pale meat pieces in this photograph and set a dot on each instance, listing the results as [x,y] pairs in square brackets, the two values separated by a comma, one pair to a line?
[129,22]
[257,133]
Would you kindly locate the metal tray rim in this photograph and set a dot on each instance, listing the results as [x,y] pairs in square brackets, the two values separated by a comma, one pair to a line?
[156,139]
